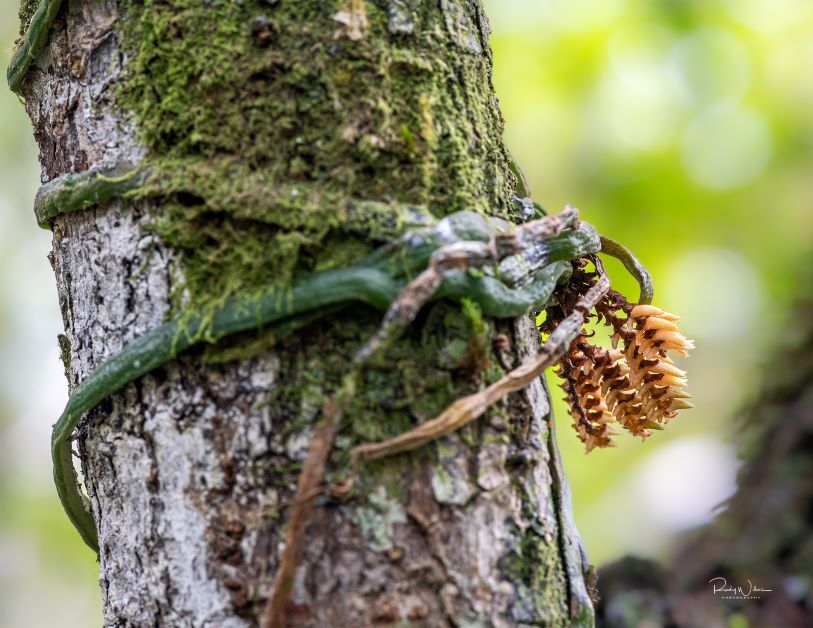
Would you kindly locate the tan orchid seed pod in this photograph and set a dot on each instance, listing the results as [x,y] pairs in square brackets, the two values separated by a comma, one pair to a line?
[635,383]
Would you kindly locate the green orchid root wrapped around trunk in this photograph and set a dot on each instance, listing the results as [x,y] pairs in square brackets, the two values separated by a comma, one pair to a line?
[519,279]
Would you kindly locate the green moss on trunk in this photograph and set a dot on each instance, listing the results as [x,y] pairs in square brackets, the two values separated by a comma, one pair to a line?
[25,13]
[313,113]
[272,125]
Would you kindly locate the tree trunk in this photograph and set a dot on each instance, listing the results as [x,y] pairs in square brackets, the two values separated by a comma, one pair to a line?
[271,124]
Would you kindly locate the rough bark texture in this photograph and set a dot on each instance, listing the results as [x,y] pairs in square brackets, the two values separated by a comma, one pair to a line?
[764,537]
[189,469]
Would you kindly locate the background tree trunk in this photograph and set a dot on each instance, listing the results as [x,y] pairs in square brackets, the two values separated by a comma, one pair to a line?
[277,121]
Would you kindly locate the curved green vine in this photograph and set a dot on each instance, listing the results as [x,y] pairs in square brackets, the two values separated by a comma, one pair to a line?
[520,283]
[75,192]
[159,346]
[634,267]
[34,40]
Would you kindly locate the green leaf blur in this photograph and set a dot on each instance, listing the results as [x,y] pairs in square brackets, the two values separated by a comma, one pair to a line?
[683,130]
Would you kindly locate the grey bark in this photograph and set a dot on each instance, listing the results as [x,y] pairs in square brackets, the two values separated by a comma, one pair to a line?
[189,522]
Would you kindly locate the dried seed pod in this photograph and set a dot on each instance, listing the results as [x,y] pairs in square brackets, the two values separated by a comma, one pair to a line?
[591,416]
[636,382]
[649,334]
[621,393]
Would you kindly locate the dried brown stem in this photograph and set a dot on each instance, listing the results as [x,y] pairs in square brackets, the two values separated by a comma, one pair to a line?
[310,481]
[516,240]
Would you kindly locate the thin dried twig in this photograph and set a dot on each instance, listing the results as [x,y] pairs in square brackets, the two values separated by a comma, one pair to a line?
[308,486]
[400,314]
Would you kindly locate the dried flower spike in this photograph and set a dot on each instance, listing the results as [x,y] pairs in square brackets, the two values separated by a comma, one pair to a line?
[659,382]
[591,416]
[635,383]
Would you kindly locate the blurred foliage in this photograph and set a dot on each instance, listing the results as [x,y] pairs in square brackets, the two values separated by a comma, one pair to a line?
[681,128]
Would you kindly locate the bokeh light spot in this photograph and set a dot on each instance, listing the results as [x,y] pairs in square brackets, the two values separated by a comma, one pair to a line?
[684,480]
[570,15]
[725,146]
[717,293]
[637,101]
[771,17]
[711,64]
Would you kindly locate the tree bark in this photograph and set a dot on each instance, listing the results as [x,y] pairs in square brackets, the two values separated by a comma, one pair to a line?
[275,121]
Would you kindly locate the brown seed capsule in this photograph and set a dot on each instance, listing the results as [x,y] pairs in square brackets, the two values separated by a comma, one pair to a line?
[658,381]
[636,383]
[585,398]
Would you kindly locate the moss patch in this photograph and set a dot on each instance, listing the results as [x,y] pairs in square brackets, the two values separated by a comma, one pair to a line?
[535,567]
[277,115]
[25,13]
[408,384]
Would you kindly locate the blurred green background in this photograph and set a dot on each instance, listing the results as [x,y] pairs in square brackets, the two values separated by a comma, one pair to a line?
[681,128]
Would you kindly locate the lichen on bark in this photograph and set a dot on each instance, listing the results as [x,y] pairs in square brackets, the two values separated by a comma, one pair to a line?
[271,123]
